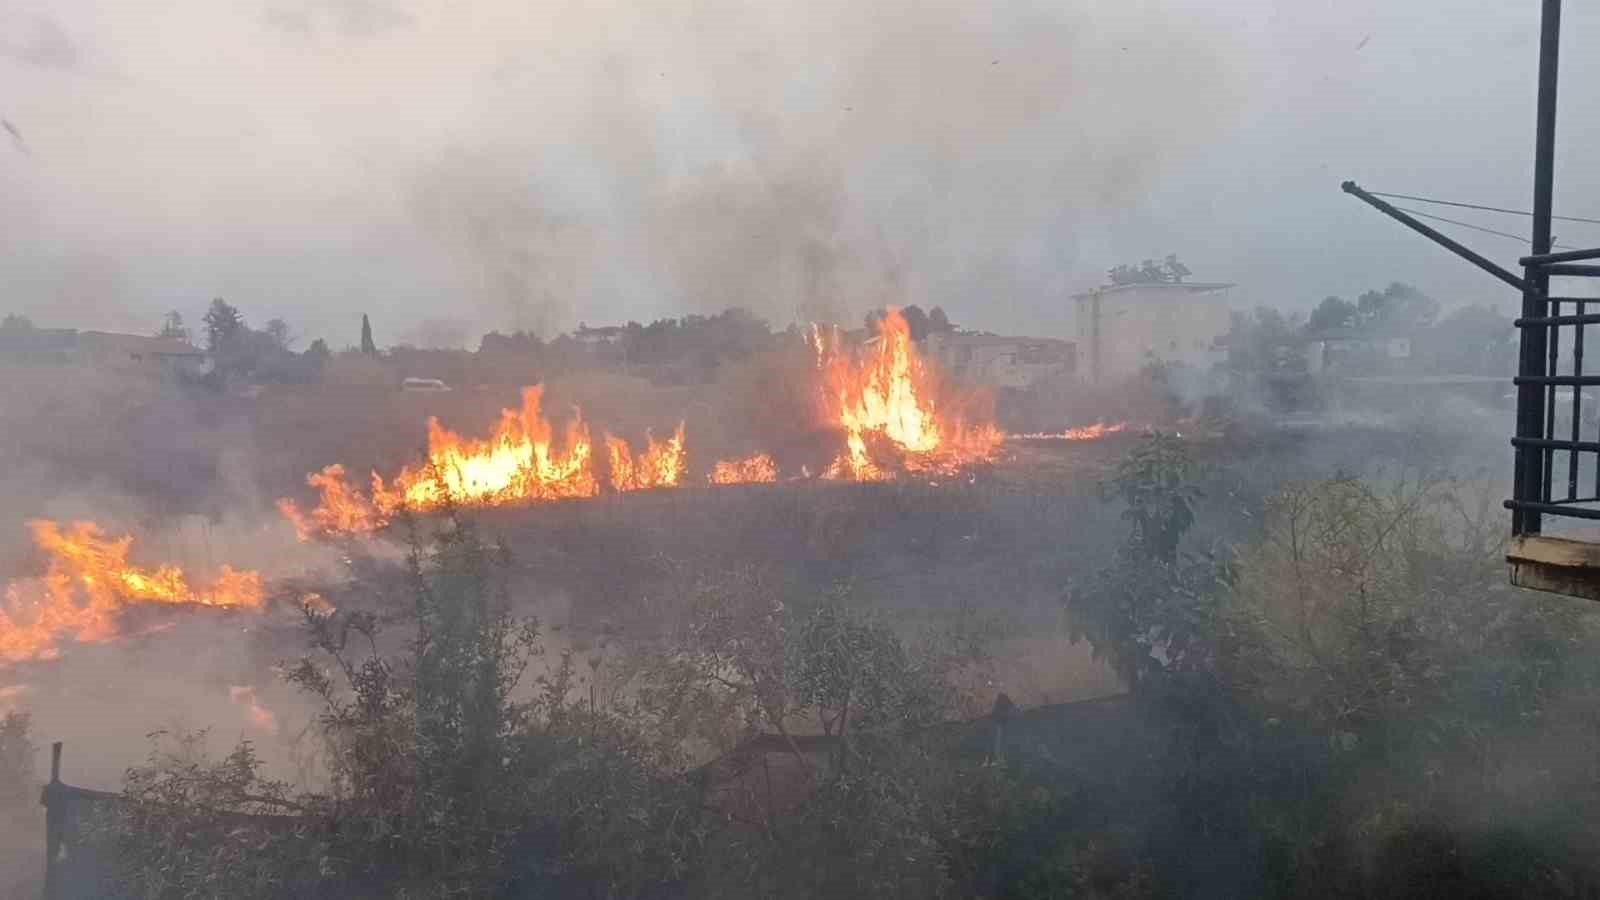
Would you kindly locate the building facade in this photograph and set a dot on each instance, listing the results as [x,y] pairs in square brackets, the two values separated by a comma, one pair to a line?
[1124,328]
[996,361]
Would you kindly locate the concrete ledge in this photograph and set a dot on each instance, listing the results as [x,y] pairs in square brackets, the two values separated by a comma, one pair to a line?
[1555,565]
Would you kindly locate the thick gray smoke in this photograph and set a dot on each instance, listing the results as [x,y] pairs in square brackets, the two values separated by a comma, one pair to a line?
[810,166]
[534,166]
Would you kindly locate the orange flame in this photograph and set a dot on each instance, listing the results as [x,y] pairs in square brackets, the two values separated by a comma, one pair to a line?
[891,407]
[515,465]
[261,717]
[755,469]
[890,393]
[90,582]
[519,463]
[662,464]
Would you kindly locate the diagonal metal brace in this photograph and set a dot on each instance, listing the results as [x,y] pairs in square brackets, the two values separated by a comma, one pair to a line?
[1477,259]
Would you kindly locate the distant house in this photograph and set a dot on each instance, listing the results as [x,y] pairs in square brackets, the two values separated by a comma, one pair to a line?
[997,361]
[1357,352]
[160,357]
[129,354]
[1124,328]
[599,337]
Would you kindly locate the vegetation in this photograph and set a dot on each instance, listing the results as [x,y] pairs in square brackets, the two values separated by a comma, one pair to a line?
[17,749]
[367,345]
[921,324]
[1341,698]
[1166,271]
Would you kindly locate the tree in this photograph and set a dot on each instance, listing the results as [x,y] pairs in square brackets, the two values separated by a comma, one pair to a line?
[1151,612]
[1397,307]
[882,812]
[367,346]
[1263,340]
[1333,313]
[1476,340]
[278,331]
[938,321]
[16,324]
[1155,484]
[916,320]
[224,326]
[1167,271]
[449,774]
[172,327]
[318,354]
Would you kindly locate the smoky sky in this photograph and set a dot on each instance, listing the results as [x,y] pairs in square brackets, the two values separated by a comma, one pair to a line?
[514,164]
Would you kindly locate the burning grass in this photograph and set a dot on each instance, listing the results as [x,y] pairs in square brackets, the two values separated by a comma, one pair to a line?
[91,582]
[892,414]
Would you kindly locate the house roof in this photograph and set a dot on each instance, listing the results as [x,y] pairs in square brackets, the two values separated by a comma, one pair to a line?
[976,339]
[1180,287]
[137,344]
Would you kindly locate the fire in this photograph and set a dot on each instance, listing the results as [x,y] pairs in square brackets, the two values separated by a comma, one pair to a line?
[662,464]
[755,469]
[1086,433]
[260,717]
[891,408]
[887,394]
[519,463]
[343,510]
[90,582]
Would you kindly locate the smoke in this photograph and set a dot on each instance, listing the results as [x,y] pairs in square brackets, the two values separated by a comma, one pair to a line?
[811,166]
[531,167]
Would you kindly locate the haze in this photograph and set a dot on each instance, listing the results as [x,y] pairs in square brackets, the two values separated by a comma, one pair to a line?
[531,165]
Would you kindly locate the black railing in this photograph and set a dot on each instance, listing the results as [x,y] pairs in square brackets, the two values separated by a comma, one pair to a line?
[1558,415]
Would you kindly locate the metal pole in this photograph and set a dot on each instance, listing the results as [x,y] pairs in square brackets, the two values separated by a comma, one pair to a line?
[1433,234]
[1535,341]
[54,825]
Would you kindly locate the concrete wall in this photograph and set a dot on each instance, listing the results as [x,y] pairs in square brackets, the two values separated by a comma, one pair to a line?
[1122,330]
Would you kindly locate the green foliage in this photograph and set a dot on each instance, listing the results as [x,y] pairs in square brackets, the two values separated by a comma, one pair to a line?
[224,326]
[1398,307]
[193,827]
[16,759]
[277,330]
[1152,608]
[318,353]
[445,778]
[1155,483]
[367,345]
[1167,271]
[1331,314]
[172,327]
[1264,340]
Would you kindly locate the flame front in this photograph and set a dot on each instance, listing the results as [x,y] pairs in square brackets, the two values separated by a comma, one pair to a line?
[90,582]
[758,468]
[888,392]
[517,464]
[892,410]
[520,462]
[662,463]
